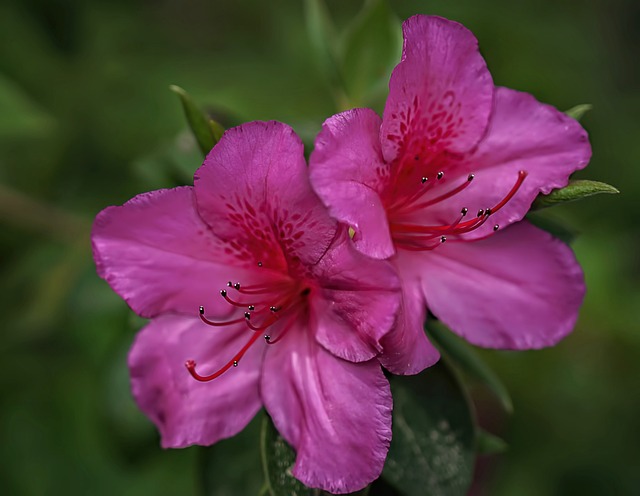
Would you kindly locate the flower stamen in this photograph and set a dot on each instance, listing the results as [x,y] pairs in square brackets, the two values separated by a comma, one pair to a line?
[287,327]
[449,194]
[217,324]
[286,295]
[191,364]
[418,237]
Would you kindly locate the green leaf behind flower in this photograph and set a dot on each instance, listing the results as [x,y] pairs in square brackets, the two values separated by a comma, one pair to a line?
[578,111]
[466,357]
[369,50]
[433,447]
[277,459]
[323,35]
[576,190]
[206,131]
[489,444]
[553,226]
[240,459]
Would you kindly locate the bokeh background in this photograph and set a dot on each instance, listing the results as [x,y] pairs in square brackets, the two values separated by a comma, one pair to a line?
[86,121]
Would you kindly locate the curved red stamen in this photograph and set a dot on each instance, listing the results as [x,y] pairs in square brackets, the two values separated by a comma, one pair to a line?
[401,204]
[413,246]
[276,312]
[218,324]
[262,289]
[285,296]
[288,326]
[446,195]
[224,294]
[265,325]
[434,230]
[413,237]
[191,364]
[522,175]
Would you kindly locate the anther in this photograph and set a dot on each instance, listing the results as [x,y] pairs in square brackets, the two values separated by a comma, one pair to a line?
[267,338]
[443,239]
[247,315]
[230,284]
[259,264]
[424,180]
[235,363]
[223,293]
[470,177]
[440,175]
[480,213]
[237,285]
[496,227]
[464,211]
[273,309]
[487,212]
[201,310]
[251,307]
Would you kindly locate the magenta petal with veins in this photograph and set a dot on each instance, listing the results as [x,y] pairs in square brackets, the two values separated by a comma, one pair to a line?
[253,286]
[453,160]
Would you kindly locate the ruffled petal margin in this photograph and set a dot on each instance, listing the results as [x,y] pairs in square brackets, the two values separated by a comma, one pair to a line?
[184,410]
[159,256]
[519,289]
[440,94]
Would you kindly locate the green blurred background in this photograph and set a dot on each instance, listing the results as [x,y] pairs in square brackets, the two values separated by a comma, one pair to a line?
[86,121]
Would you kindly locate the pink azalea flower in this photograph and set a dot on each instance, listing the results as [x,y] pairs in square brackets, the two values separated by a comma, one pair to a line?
[433,184]
[252,285]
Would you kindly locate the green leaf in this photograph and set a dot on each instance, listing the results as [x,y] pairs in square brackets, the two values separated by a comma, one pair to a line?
[20,115]
[488,444]
[466,357]
[553,226]
[206,131]
[322,34]
[371,47]
[232,466]
[433,446]
[277,460]
[576,190]
[173,164]
[216,130]
[578,111]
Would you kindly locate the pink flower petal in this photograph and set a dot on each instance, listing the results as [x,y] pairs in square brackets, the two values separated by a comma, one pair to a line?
[407,349]
[524,134]
[253,190]
[347,171]
[335,414]
[184,410]
[358,301]
[440,94]
[157,253]
[519,289]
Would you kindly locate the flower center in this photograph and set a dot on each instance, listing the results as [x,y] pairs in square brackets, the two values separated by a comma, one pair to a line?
[420,237]
[271,307]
